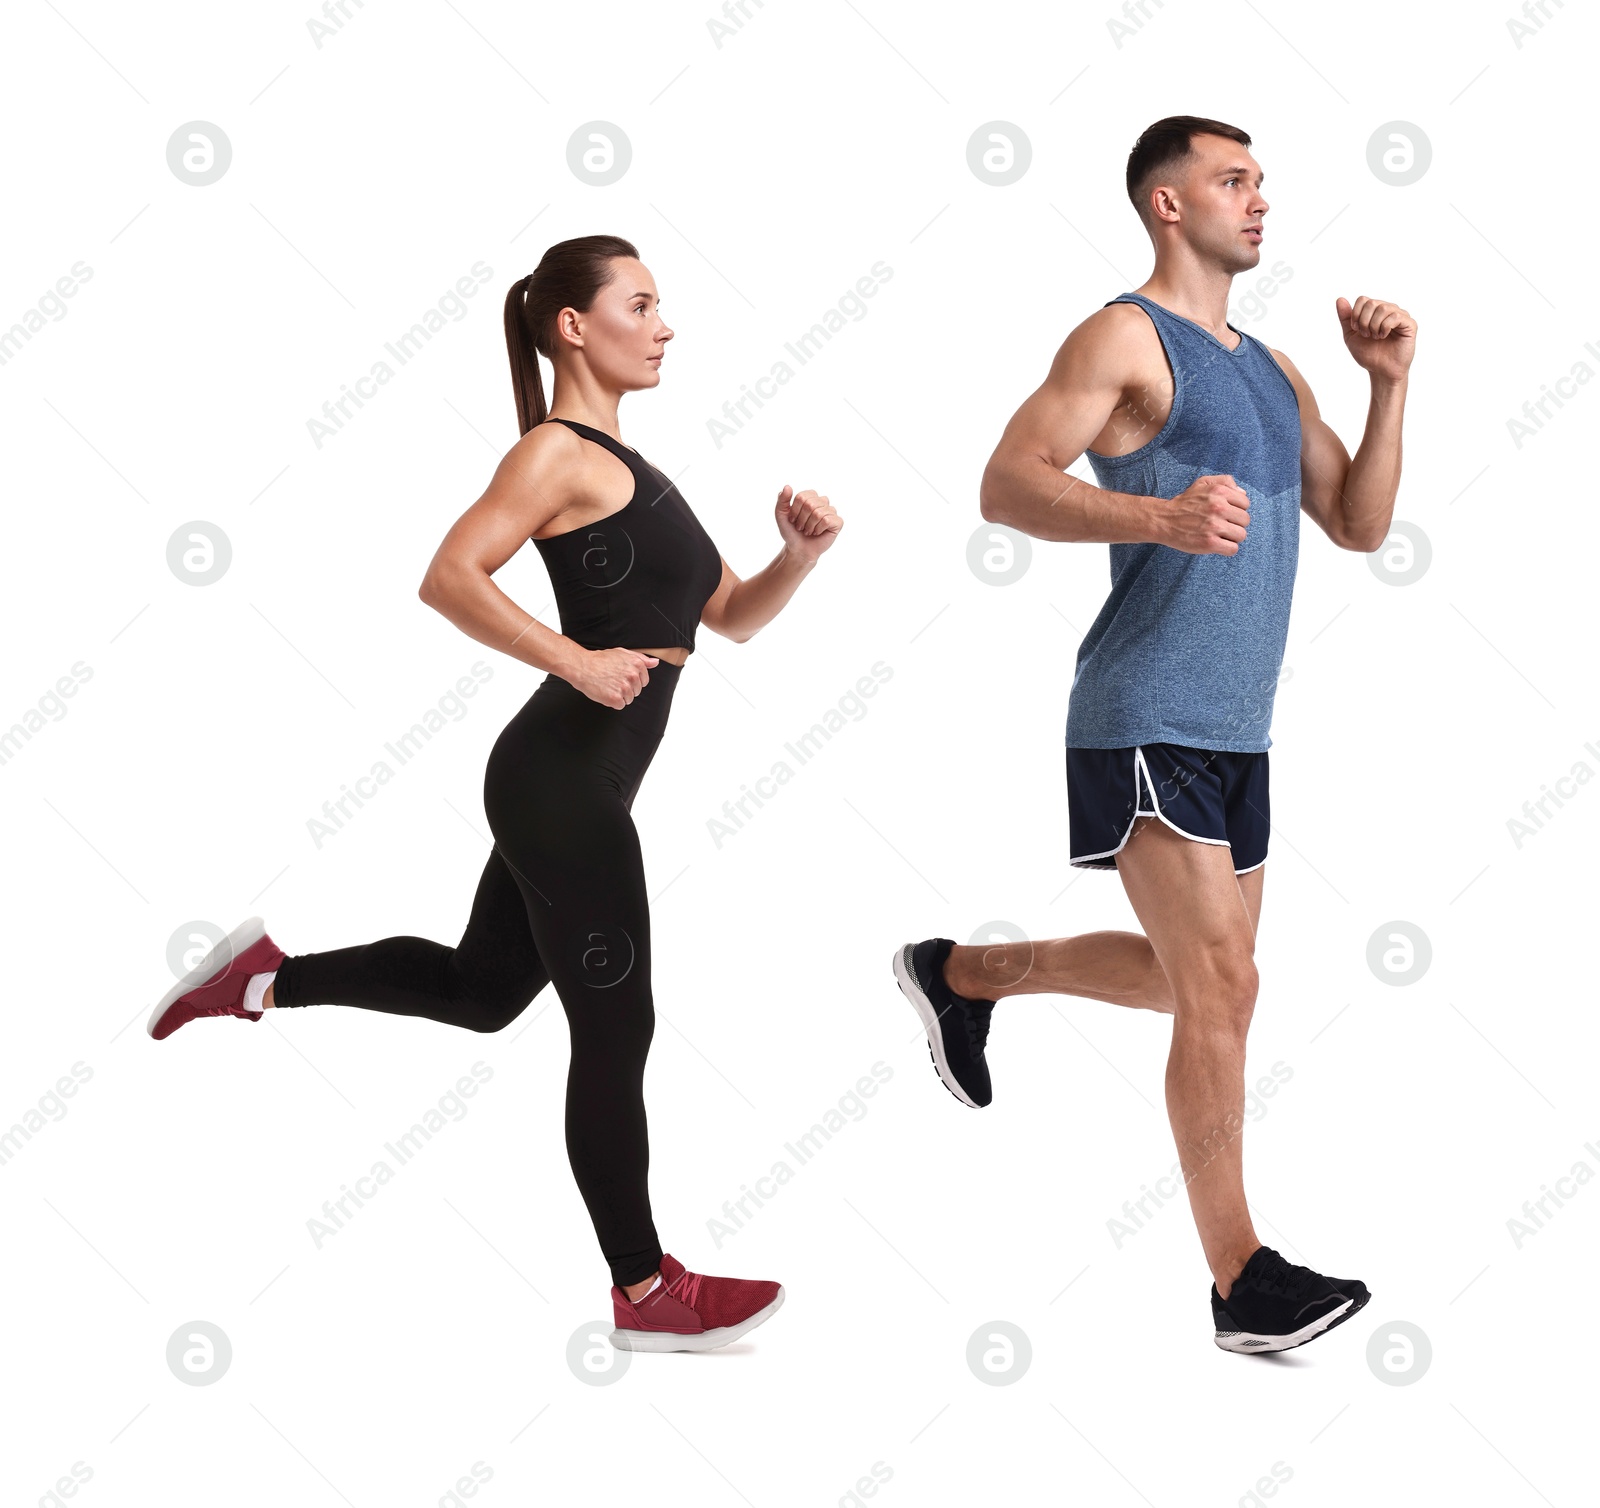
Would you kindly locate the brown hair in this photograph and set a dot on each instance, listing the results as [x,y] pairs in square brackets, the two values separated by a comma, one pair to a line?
[1164,145]
[569,275]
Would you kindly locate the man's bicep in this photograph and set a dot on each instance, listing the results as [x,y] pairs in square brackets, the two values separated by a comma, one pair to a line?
[1070,407]
[1324,462]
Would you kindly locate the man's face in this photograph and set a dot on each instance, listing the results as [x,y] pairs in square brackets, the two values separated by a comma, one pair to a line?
[1219,203]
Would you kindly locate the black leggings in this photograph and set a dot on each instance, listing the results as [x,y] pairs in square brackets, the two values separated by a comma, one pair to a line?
[561,898]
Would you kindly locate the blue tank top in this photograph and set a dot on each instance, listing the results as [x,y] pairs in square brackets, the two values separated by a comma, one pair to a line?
[1187,648]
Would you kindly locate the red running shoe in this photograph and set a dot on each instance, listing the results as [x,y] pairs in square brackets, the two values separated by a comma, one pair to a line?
[687,1311]
[215,986]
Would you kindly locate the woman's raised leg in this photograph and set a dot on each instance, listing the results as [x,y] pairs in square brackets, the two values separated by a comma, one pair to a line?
[483,983]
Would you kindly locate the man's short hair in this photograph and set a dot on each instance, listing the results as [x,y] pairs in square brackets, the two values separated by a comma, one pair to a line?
[1166,145]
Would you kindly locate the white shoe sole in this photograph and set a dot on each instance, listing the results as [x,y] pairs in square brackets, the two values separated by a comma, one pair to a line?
[248,932]
[706,1340]
[930,1023]
[1243,1340]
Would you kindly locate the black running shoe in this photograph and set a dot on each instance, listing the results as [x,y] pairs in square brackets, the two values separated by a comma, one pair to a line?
[957,1027]
[1275,1305]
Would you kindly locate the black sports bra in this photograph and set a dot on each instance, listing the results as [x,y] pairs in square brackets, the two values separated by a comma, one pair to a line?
[639,576]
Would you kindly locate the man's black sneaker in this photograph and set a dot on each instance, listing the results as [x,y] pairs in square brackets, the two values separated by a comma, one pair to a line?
[1274,1304]
[957,1027]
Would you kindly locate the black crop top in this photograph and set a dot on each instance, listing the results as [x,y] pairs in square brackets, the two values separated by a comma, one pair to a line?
[639,576]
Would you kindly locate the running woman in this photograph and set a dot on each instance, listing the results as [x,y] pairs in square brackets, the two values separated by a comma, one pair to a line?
[562,897]
[1206,445]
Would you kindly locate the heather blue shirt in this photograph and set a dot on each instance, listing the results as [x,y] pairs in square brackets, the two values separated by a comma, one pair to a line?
[1187,648]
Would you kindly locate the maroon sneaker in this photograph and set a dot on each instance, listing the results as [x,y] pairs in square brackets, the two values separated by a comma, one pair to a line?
[687,1311]
[215,986]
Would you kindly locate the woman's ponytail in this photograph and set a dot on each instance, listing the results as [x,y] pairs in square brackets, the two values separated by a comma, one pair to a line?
[568,276]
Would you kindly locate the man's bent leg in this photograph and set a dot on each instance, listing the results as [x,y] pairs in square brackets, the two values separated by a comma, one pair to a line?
[1120,968]
[1194,913]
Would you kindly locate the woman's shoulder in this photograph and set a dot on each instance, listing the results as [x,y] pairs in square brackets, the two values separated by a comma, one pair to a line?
[554,460]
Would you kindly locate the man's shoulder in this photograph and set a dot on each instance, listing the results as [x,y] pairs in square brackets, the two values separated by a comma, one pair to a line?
[1117,338]
[1281,360]
[1119,316]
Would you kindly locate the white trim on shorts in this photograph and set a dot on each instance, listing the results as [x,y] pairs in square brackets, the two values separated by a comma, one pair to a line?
[1083,860]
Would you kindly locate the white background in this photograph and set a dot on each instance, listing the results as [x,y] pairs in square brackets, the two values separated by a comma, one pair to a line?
[172,793]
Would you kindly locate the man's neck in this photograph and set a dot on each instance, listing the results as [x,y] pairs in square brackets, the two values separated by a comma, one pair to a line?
[1194,291]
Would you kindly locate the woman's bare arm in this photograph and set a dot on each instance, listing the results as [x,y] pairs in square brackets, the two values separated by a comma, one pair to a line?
[525,493]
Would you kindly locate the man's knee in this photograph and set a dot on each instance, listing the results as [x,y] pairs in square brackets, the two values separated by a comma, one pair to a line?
[1223,985]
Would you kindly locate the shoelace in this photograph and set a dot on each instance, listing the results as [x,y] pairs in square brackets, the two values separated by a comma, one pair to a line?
[690,1287]
[978,1016]
[220,1007]
[1276,1275]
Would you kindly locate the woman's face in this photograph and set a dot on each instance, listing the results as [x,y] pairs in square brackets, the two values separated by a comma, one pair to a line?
[623,335]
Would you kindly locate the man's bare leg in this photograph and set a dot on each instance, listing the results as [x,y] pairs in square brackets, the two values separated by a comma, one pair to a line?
[1119,968]
[1193,910]
[1200,920]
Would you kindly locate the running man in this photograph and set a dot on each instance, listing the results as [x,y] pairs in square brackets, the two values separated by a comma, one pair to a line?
[1206,445]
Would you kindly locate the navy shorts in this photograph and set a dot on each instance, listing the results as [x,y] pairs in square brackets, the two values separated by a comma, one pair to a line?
[1210,795]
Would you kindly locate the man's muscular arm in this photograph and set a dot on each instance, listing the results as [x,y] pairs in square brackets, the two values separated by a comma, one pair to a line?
[1024,487]
[1352,500]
